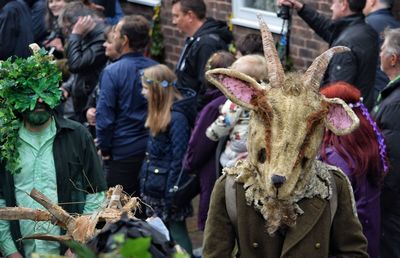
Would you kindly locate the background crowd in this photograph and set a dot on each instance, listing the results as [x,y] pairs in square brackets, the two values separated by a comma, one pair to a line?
[150,122]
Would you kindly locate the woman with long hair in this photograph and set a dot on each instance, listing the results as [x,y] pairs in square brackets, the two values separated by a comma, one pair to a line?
[362,157]
[170,117]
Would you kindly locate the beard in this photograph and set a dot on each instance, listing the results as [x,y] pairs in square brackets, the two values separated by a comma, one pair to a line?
[38,117]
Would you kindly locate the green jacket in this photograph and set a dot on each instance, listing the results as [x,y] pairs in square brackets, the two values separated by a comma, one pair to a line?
[312,236]
[76,160]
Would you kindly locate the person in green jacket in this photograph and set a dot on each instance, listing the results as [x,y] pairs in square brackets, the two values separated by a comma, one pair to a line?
[41,150]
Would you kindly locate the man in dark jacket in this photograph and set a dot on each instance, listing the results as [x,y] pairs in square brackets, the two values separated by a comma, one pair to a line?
[346,28]
[16,31]
[85,53]
[121,109]
[41,150]
[378,15]
[387,114]
[205,36]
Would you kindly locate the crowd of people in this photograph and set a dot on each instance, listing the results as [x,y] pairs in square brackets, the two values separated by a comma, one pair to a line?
[105,114]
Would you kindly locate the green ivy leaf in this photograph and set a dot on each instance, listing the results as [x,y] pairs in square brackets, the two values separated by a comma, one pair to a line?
[80,250]
[136,248]
[22,82]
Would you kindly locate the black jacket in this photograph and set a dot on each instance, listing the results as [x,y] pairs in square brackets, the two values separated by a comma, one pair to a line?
[86,59]
[16,30]
[356,67]
[212,36]
[78,171]
[387,116]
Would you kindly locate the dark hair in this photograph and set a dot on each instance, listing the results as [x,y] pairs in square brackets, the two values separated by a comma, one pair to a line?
[251,43]
[198,7]
[51,20]
[356,5]
[360,149]
[136,28]
[73,10]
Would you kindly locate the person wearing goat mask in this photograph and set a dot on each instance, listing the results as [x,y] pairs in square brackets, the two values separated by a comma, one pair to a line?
[281,201]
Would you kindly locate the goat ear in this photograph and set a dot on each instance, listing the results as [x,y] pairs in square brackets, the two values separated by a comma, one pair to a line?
[341,119]
[238,87]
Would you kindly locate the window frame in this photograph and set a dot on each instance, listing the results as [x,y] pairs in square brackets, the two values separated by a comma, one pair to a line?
[146,2]
[247,17]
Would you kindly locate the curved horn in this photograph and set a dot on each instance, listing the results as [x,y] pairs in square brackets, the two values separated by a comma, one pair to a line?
[275,70]
[316,71]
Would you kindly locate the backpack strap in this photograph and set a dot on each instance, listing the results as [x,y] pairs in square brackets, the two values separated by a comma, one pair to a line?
[333,201]
[230,199]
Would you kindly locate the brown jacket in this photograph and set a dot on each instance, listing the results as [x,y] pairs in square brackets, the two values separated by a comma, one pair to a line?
[313,235]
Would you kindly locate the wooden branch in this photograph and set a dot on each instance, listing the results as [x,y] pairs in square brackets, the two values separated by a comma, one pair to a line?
[115,199]
[17,213]
[58,212]
[49,237]
[79,228]
[131,206]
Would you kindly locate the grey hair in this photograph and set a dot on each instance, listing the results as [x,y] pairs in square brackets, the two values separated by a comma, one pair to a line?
[392,41]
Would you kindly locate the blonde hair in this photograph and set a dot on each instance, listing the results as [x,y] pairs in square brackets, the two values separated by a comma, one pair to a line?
[253,65]
[162,93]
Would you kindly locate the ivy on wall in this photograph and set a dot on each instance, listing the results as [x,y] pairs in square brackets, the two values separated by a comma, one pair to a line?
[156,36]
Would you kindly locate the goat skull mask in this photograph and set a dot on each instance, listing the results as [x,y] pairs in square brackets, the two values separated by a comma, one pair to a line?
[288,118]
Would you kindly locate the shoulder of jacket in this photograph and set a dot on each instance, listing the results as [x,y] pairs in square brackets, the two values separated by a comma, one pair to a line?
[342,184]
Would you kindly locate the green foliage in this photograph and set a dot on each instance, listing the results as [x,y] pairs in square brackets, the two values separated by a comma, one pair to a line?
[181,255]
[22,83]
[124,248]
[136,248]
[81,251]
[157,38]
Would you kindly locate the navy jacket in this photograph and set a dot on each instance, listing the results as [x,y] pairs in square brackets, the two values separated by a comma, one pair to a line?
[121,108]
[16,30]
[166,150]
[379,21]
[356,67]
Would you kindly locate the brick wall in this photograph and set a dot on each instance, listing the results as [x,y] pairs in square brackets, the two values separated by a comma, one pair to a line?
[305,45]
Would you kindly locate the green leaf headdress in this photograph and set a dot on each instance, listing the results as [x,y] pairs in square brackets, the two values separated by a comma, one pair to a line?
[22,82]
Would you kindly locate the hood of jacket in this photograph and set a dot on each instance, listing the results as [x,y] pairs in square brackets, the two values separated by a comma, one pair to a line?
[187,105]
[212,26]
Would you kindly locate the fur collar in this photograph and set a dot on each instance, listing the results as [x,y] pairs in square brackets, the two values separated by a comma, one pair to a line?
[277,213]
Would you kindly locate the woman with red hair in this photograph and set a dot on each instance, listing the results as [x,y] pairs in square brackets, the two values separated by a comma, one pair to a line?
[362,157]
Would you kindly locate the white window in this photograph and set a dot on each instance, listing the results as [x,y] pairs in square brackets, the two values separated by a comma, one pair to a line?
[245,14]
[146,2]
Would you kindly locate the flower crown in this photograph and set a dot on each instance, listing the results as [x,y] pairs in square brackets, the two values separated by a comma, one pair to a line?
[381,141]
[163,83]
